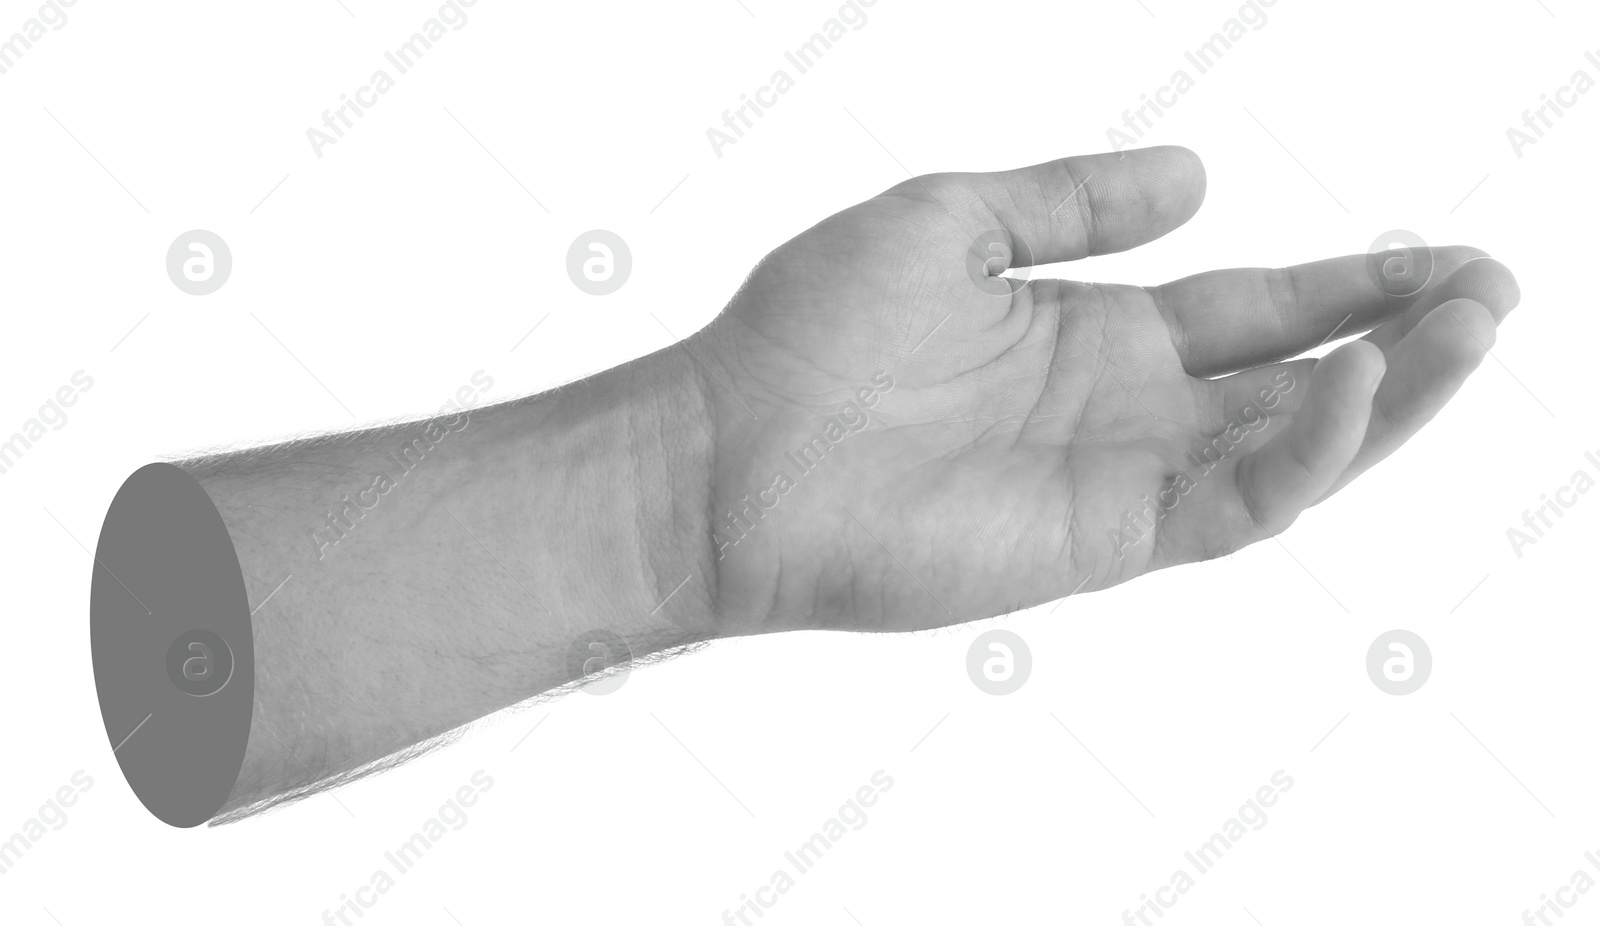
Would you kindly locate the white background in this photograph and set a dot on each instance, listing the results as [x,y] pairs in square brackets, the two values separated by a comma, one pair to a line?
[406,258]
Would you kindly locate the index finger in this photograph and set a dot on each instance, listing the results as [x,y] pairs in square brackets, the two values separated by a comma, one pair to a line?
[1223,321]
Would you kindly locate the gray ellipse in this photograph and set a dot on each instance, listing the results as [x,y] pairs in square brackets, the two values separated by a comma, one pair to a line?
[165,570]
[599,262]
[999,662]
[199,262]
[994,252]
[1400,263]
[594,653]
[1399,662]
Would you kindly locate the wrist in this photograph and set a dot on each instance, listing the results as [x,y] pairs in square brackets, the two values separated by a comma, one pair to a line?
[617,472]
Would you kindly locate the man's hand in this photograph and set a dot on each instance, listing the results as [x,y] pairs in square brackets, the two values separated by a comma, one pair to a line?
[1045,437]
[878,434]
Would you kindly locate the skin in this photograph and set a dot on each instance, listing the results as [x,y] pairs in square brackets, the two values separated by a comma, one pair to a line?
[1033,418]
[1026,423]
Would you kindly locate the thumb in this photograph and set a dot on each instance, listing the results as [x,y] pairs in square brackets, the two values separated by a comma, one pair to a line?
[1093,204]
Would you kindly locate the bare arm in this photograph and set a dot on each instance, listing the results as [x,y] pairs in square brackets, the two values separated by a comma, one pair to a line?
[495,541]
[877,434]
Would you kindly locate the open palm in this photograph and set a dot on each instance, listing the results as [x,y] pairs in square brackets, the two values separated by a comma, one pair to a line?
[907,440]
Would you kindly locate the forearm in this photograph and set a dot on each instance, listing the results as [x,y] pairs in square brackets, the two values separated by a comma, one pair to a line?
[455,576]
